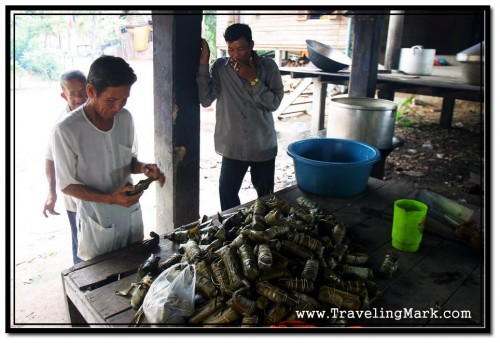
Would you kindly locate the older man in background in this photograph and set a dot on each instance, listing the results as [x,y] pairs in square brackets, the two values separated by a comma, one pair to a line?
[73,90]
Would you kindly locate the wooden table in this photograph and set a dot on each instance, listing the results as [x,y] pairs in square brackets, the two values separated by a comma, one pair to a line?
[445,82]
[443,274]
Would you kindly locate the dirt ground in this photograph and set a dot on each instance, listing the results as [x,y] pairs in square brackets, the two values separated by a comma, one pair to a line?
[449,161]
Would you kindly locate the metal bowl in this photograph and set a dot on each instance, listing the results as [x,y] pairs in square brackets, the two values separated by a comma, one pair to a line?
[325,57]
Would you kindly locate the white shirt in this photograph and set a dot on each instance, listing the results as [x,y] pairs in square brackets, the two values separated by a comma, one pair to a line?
[85,155]
[69,203]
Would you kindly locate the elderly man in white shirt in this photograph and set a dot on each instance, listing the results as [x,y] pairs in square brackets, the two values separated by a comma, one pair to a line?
[95,155]
[73,90]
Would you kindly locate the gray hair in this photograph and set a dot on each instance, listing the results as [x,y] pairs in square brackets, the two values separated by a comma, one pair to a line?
[72,75]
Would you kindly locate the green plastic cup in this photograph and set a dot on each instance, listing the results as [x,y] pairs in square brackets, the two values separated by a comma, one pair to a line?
[408,224]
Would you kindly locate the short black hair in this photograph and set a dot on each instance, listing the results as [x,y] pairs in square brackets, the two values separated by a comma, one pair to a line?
[110,71]
[72,75]
[236,31]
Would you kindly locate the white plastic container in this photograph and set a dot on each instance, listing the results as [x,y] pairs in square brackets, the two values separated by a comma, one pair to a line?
[417,60]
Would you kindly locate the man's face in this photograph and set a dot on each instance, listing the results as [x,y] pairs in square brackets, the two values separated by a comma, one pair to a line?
[110,101]
[240,50]
[74,93]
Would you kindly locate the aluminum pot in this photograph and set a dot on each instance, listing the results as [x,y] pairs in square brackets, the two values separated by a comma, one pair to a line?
[417,60]
[471,63]
[365,120]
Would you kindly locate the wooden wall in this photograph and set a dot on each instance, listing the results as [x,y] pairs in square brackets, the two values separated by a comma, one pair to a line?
[284,31]
[449,30]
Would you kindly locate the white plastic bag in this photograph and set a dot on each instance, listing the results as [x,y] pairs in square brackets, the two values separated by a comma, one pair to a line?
[171,296]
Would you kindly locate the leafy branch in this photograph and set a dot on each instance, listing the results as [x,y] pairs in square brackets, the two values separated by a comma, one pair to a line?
[404,110]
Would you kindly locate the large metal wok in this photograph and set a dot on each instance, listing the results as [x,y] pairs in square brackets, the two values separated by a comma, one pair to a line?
[325,57]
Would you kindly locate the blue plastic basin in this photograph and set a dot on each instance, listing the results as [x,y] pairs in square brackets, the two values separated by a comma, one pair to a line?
[331,166]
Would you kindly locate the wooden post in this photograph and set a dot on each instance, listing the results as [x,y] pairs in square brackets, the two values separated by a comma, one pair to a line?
[177,42]
[364,67]
[277,57]
[447,112]
[394,36]
[319,104]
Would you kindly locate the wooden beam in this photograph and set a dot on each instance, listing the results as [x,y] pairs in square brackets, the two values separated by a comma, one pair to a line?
[297,108]
[364,67]
[319,104]
[177,117]
[288,100]
[447,112]
[394,37]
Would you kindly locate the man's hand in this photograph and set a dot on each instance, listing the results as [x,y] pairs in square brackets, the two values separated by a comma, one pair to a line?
[246,71]
[120,197]
[205,52]
[152,170]
[50,204]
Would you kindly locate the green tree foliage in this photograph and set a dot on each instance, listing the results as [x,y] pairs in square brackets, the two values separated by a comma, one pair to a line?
[210,31]
[39,49]
[32,52]
[104,30]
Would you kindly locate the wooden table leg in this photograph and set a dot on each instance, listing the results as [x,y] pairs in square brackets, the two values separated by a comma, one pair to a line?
[75,316]
[318,110]
[447,112]
[386,93]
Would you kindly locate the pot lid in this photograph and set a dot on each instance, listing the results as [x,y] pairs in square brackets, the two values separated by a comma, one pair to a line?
[472,54]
